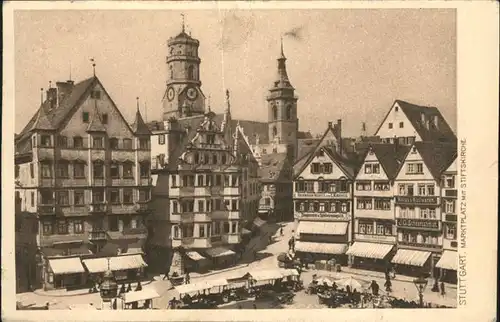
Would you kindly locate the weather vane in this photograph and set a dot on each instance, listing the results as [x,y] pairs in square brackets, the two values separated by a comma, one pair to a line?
[93,64]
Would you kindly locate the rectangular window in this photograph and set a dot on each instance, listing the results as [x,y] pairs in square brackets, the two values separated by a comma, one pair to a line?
[451,231]
[79,197]
[421,189]
[128,170]
[113,223]
[201,205]
[226,227]
[62,227]
[85,117]
[161,139]
[144,144]
[48,228]
[430,190]
[450,206]
[175,207]
[45,141]
[187,230]
[218,180]
[62,170]
[78,227]
[144,169]
[401,125]
[97,143]
[128,196]
[409,190]
[381,186]
[327,167]
[144,195]
[376,168]
[114,170]
[368,168]
[174,180]
[98,170]
[113,144]
[95,94]
[79,170]
[390,125]
[62,141]
[98,196]
[226,180]
[234,205]
[363,186]
[200,180]
[413,238]
[46,168]
[62,198]
[382,204]
[316,168]
[127,144]
[114,195]
[364,203]
[32,199]
[104,118]
[201,231]
[32,170]
[414,168]
[77,142]
[450,182]
[234,227]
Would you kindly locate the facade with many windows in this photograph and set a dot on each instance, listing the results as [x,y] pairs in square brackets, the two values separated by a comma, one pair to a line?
[85,173]
[417,191]
[374,222]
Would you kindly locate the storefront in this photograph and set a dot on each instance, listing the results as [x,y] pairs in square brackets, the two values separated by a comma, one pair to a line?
[311,252]
[221,257]
[448,264]
[65,273]
[412,262]
[125,267]
[371,256]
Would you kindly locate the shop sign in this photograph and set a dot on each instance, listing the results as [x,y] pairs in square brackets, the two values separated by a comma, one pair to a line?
[322,194]
[418,223]
[375,238]
[419,200]
[323,216]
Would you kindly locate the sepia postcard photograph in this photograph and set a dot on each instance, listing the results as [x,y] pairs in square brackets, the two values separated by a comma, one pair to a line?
[239,161]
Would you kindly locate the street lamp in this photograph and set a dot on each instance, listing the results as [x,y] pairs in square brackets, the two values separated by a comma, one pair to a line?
[420,284]
[109,287]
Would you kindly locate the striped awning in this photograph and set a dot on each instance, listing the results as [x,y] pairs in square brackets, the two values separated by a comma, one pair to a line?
[369,250]
[71,265]
[448,260]
[219,252]
[320,248]
[411,257]
[322,228]
[118,263]
[194,256]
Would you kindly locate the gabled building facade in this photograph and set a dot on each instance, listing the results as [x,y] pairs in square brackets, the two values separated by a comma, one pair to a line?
[85,173]
[374,208]
[322,196]
[417,191]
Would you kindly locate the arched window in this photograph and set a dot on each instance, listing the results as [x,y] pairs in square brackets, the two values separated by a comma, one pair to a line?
[190,72]
[275,112]
[289,112]
[275,131]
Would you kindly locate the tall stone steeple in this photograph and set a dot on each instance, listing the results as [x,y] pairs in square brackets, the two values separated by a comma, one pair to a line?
[282,105]
[226,122]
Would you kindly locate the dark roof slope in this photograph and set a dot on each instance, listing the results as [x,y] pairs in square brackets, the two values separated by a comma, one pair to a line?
[139,126]
[272,166]
[437,155]
[390,156]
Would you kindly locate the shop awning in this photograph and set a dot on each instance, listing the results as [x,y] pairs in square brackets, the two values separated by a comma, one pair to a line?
[71,265]
[448,260]
[195,256]
[320,248]
[322,228]
[411,257]
[219,252]
[258,222]
[118,263]
[369,250]
[289,272]
[265,275]
[199,287]
[142,295]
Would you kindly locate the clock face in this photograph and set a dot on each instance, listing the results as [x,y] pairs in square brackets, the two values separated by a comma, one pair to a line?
[170,94]
[192,93]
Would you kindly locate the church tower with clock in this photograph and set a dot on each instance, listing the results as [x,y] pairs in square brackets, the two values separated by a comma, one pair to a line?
[283,123]
[183,96]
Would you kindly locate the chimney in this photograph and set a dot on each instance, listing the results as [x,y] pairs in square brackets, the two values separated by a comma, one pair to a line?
[339,136]
[63,90]
[329,124]
[52,97]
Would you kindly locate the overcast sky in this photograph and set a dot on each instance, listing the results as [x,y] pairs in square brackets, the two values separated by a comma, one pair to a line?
[349,64]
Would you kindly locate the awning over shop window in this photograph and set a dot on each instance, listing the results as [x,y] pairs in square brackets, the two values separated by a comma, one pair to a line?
[194,256]
[448,260]
[322,228]
[118,263]
[320,248]
[265,275]
[219,252]
[411,257]
[142,295]
[258,222]
[71,265]
[369,250]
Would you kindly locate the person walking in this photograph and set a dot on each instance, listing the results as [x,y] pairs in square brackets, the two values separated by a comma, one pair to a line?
[281,231]
[443,291]
[167,272]
[388,285]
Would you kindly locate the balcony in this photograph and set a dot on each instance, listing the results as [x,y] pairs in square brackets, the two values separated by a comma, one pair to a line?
[375,238]
[98,182]
[122,209]
[47,209]
[98,235]
[450,193]
[323,216]
[424,224]
[322,195]
[47,182]
[231,239]
[128,233]
[231,191]
[98,207]
[142,206]
[416,200]
[216,239]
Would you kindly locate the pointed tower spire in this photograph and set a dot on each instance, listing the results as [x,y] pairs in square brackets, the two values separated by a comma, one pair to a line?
[96,121]
[282,80]
[282,52]
[139,126]
[183,23]
[228,103]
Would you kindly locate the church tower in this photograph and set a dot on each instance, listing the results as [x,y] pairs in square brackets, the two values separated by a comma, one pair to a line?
[183,96]
[282,104]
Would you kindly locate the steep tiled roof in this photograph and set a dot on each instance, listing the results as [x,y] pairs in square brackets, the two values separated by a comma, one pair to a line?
[437,155]
[139,126]
[272,166]
[346,165]
[305,146]
[390,156]
[95,124]
[42,121]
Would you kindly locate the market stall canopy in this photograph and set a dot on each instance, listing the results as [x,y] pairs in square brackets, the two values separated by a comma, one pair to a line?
[117,263]
[265,275]
[82,307]
[285,272]
[322,228]
[411,257]
[320,248]
[198,287]
[353,283]
[324,280]
[66,265]
[195,256]
[142,295]
[258,222]
[369,250]
[219,252]
[448,260]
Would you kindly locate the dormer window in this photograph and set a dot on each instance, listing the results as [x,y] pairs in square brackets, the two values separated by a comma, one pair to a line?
[95,94]
[321,153]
